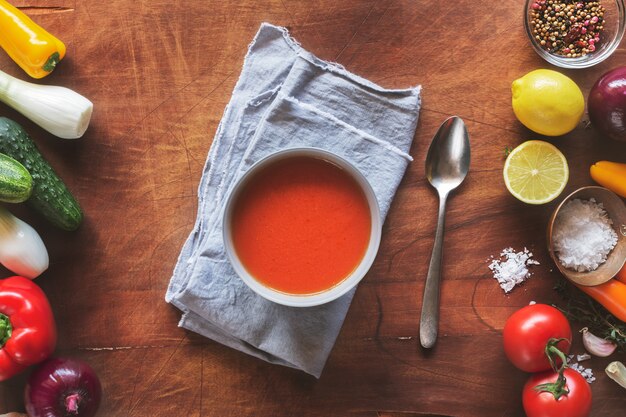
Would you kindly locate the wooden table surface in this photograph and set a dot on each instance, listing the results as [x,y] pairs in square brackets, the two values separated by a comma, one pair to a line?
[160,74]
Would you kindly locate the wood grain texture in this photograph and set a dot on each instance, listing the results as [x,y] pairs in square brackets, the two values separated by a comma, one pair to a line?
[160,74]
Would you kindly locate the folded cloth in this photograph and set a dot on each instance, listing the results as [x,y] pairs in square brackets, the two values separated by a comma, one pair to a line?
[285,98]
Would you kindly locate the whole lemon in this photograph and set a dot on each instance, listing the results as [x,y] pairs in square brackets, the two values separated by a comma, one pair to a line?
[547,102]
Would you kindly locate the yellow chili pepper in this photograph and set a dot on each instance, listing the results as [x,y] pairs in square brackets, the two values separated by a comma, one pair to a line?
[27,43]
[611,175]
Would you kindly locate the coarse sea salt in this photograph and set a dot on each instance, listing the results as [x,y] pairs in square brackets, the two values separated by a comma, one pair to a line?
[582,235]
[587,373]
[513,269]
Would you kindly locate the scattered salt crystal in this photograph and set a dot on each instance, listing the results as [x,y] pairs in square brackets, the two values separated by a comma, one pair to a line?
[583,236]
[532,303]
[587,373]
[583,357]
[512,270]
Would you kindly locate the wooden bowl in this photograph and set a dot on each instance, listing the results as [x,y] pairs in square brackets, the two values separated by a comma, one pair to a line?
[616,210]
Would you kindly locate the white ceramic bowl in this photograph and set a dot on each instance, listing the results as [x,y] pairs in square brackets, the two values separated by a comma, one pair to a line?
[305,300]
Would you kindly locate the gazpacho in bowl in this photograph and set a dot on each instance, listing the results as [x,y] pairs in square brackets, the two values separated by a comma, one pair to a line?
[302,227]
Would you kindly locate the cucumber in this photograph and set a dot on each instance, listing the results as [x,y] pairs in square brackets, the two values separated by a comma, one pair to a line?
[16,184]
[50,196]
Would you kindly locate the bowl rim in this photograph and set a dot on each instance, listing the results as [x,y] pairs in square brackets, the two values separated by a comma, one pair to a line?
[583,62]
[339,289]
[599,275]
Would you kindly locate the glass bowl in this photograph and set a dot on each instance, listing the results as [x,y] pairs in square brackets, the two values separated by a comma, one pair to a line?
[610,37]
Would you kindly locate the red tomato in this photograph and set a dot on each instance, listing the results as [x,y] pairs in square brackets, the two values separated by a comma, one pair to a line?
[542,404]
[527,332]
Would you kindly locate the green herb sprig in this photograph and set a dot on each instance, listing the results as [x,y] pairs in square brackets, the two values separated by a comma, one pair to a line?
[583,309]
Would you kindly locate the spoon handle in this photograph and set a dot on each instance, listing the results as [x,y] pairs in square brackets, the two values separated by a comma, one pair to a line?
[429,320]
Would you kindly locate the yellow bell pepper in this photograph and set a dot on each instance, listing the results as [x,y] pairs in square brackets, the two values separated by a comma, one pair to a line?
[611,175]
[27,43]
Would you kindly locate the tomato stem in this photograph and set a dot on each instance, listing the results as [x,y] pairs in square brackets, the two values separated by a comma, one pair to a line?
[52,62]
[552,350]
[556,388]
[5,329]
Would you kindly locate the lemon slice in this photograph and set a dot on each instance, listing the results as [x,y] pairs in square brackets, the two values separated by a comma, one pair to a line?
[536,172]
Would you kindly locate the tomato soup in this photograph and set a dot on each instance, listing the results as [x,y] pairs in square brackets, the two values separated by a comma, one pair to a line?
[301,225]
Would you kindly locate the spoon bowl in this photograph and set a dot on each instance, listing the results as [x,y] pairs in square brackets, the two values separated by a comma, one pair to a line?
[615,208]
[448,158]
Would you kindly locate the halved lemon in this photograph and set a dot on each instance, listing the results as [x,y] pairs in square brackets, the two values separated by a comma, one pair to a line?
[536,172]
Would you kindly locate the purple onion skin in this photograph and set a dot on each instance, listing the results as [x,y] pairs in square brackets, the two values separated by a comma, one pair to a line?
[607,104]
[62,387]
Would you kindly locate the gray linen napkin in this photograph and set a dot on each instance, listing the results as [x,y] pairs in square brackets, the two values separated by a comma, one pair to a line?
[285,98]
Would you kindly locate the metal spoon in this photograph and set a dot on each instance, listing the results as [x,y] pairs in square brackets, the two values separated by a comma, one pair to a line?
[447,164]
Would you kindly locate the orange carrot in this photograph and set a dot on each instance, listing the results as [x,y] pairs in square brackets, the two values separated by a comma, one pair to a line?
[611,294]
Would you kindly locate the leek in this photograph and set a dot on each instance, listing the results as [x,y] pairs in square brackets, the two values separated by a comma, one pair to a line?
[21,249]
[617,372]
[59,110]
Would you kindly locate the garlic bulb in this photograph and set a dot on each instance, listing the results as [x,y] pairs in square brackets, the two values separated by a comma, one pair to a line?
[59,110]
[617,372]
[596,345]
[21,249]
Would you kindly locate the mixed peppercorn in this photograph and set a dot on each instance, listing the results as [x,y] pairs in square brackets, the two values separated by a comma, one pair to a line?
[567,28]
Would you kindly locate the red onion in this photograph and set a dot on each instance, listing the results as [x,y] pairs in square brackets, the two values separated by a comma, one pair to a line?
[607,104]
[62,387]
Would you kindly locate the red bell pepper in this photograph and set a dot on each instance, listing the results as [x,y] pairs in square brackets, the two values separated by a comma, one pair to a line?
[27,329]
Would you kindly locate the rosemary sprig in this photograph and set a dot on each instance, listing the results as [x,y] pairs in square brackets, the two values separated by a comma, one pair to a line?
[583,309]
